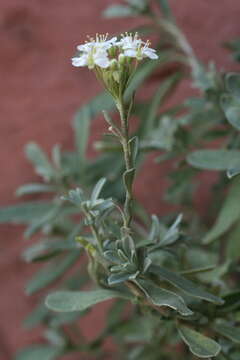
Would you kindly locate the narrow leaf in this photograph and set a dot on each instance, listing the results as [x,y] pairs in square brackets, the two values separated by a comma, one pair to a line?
[66,301]
[128,177]
[119,11]
[183,284]
[81,126]
[24,213]
[163,297]
[39,352]
[40,160]
[215,159]
[29,189]
[97,189]
[230,332]
[51,273]
[229,214]
[165,8]
[199,344]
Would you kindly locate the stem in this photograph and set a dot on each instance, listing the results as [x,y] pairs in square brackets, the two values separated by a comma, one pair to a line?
[124,115]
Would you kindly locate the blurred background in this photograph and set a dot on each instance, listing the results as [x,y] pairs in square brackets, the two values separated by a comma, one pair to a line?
[41,91]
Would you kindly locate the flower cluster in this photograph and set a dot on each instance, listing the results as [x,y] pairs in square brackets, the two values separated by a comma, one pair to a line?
[103,53]
[113,61]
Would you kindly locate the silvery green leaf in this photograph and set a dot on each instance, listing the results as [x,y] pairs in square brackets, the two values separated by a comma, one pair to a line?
[231,332]
[121,277]
[228,215]
[138,4]
[81,126]
[155,229]
[233,172]
[39,159]
[51,272]
[183,284]
[97,189]
[47,219]
[163,297]
[39,352]
[233,83]
[67,301]
[128,245]
[231,107]
[74,196]
[134,145]
[128,177]
[215,159]
[200,345]
[57,156]
[165,8]
[112,256]
[24,213]
[122,255]
[34,188]
[144,71]
[119,11]
[172,233]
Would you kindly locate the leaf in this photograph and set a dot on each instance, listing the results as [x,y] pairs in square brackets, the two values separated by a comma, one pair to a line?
[160,95]
[97,189]
[39,250]
[183,284]
[81,126]
[229,214]
[39,352]
[233,243]
[128,177]
[144,71]
[228,331]
[29,189]
[155,229]
[134,146]
[36,317]
[52,272]
[231,302]
[24,213]
[163,297]
[48,218]
[233,83]
[199,344]
[118,278]
[39,159]
[231,107]
[172,233]
[215,159]
[165,8]
[66,301]
[119,11]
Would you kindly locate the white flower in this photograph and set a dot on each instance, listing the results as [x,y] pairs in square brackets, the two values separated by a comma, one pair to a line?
[141,52]
[100,42]
[94,52]
[134,47]
[94,56]
[130,42]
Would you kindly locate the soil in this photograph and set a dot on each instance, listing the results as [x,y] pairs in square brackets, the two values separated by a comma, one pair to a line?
[41,91]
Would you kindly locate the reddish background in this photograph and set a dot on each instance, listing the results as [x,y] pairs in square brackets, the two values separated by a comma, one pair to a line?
[40,93]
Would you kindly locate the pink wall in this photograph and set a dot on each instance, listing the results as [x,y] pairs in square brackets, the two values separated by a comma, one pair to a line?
[40,92]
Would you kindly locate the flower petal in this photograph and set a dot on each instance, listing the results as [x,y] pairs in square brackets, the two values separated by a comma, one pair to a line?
[130,53]
[150,53]
[79,61]
[102,61]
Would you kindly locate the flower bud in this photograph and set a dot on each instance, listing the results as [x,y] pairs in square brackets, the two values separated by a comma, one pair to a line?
[122,59]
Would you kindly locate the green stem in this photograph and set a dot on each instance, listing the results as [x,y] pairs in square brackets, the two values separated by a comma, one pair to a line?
[124,115]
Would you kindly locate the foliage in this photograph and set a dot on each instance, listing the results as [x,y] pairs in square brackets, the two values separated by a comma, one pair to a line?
[174,279]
